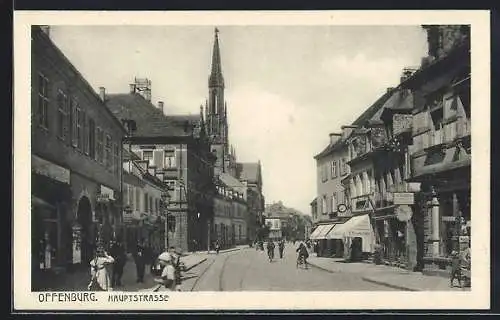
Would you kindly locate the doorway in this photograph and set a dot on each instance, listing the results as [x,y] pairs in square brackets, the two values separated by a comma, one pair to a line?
[84,218]
[356,249]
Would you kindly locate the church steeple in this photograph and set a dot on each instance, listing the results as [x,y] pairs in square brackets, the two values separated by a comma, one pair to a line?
[216,79]
[216,112]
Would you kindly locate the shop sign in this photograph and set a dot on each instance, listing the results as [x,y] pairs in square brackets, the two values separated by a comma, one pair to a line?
[107,193]
[401,123]
[404,198]
[448,219]
[403,212]
[49,169]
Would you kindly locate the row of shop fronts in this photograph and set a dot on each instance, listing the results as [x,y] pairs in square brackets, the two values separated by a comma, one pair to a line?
[409,162]
[350,238]
[70,215]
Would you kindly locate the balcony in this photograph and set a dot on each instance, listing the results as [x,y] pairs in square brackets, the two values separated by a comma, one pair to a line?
[383,199]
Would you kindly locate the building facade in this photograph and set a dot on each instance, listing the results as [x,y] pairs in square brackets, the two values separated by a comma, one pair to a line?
[75,163]
[230,212]
[176,148]
[144,215]
[331,167]
[441,144]
[250,174]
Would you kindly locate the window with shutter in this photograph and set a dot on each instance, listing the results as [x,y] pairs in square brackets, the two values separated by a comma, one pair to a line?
[126,194]
[138,199]
[159,156]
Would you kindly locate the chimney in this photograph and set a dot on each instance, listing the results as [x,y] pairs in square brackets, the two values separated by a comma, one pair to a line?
[346,130]
[160,105]
[334,137]
[102,93]
[407,72]
[132,87]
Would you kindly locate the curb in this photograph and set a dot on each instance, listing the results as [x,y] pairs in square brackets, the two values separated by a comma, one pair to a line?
[196,264]
[388,284]
[320,268]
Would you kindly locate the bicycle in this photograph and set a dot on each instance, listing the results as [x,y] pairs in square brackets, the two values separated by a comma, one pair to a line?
[301,261]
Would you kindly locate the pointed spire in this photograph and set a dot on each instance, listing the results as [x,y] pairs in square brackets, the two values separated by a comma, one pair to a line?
[216,79]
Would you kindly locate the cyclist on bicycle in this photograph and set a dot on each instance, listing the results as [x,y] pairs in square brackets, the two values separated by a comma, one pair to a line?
[302,254]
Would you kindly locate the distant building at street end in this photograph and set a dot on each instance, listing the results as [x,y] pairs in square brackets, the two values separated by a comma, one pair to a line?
[250,174]
[274,225]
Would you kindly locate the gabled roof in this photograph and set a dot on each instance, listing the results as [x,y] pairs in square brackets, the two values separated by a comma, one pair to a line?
[150,121]
[402,99]
[374,111]
[248,171]
[331,148]
[232,182]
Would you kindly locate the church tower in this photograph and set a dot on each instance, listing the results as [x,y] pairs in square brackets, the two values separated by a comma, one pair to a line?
[216,113]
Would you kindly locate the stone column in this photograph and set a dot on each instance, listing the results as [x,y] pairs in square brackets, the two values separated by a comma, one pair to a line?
[456,214]
[435,225]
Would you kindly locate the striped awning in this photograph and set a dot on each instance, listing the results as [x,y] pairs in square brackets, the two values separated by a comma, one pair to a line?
[321,231]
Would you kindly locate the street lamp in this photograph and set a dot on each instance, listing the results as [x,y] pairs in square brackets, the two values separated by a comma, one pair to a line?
[165,200]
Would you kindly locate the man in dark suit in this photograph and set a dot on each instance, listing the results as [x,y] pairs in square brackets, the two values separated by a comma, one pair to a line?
[117,251]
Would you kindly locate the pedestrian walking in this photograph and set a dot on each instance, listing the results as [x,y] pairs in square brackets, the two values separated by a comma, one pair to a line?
[99,271]
[178,266]
[217,246]
[140,261]
[455,269]
[117,251]
[166,281]
[281,247]
[270,250]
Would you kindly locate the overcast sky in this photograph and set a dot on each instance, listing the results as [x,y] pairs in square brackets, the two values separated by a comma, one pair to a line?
[287,87]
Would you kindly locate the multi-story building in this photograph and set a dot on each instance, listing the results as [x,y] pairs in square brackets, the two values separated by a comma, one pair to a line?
[144,216]
[75,162]
[230,211]
[177,149]
[331,164]
[441,149]
[250,174]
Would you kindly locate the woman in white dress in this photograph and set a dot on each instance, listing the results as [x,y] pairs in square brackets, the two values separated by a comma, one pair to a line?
[99,271]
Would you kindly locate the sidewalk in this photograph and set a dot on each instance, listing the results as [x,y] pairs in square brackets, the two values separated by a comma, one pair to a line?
[388,276]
